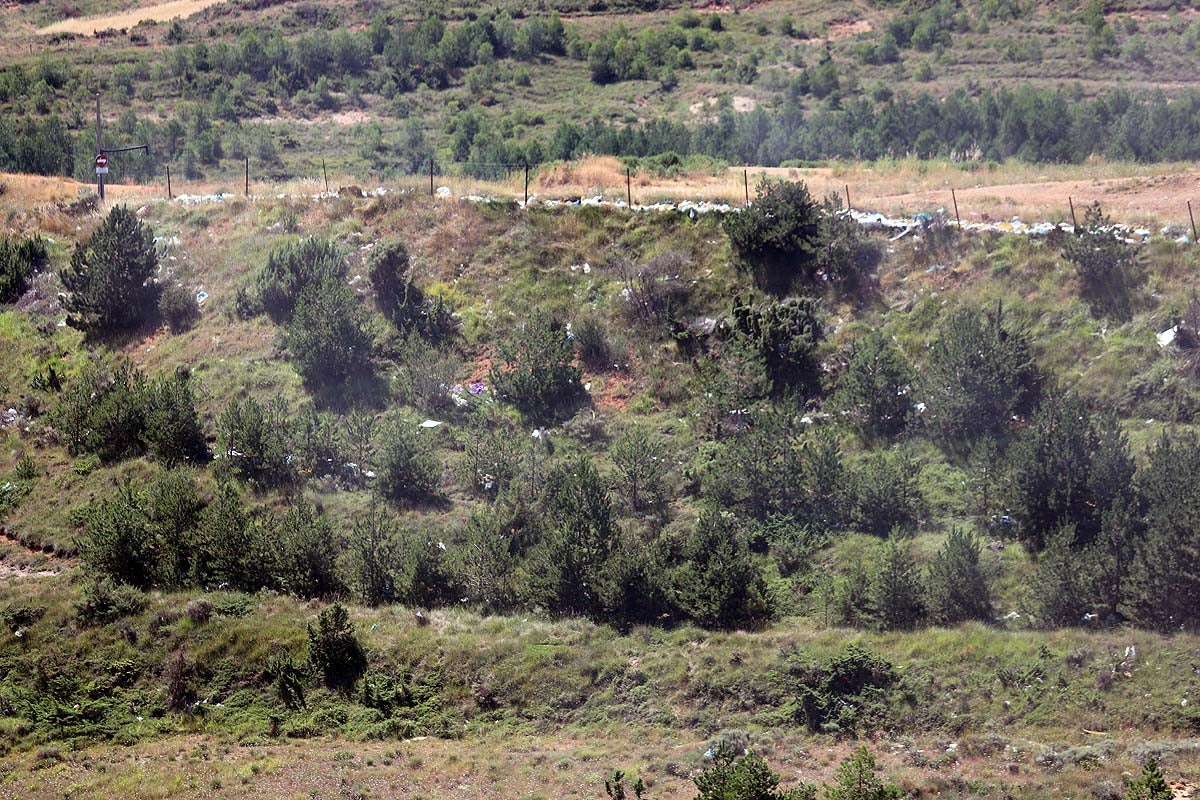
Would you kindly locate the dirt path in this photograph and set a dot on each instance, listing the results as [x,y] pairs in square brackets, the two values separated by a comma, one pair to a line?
[127,19]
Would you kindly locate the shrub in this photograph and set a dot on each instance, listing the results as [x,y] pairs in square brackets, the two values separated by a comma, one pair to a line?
[178,308]
[409,470]
[18,260]
[872,394]
[786,334]
[896,590]
[720,585]
[334,650]
[292,269]
[655,293]
[592,342]
[103,601]
[110,279]
[533,369]
[327,335]
[777,238]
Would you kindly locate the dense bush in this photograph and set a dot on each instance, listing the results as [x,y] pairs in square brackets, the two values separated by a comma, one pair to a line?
[293,268]
[19,259]
[778,237]
[401,300]
[839,693]
[177,307]
[327,335]
[979,372]
[110,281]
[534,369]
[785,334]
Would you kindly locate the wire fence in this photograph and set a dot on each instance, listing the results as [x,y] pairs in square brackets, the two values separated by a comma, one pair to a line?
[517,181]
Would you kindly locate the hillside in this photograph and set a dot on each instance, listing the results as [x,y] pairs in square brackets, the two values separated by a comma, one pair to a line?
[195,646]
[377,91]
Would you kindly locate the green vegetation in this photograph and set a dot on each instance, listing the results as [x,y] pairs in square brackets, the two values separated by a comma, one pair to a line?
[852,509]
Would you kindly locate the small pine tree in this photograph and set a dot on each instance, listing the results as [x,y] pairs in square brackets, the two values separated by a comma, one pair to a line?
[873,392]
[896,591]
[720,585]
[334,650]
[857,780]
[110,281]
[957,588]
[742,776]
[1150,785]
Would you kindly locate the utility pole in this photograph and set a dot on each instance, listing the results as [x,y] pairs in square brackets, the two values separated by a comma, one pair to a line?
[99,150]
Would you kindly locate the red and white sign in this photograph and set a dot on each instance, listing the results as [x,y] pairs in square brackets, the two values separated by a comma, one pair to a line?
[101,164]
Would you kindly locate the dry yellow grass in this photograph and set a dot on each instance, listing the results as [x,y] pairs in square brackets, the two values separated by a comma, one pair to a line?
[158,12]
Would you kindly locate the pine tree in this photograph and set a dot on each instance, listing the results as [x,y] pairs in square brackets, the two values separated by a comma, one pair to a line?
[857,780]
[110,279]
[1150,785]
[896,591]
[1063,583]
[334,650]
[1051,472]
[958,589]
[873,392]
[1164,580]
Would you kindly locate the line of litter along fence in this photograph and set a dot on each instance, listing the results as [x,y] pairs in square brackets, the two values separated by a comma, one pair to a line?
[505,172]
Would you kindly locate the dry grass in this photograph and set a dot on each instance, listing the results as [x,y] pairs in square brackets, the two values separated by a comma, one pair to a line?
[127,19]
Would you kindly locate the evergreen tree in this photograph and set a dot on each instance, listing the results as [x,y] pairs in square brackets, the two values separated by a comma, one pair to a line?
[720,585]
[978,374]
[1150,785]
[327,336]
[1164,580]
[110,281]
[872,394]
[1050,467]
[896,591]
[172,429]
[483,563]
[778,237]
[579,535]
[742,776]
[372,556]
[334,649]
[857,780]
[1063,584]
[306,560]
[957,588]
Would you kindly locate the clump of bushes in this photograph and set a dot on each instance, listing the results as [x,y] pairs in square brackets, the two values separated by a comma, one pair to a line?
[19,258]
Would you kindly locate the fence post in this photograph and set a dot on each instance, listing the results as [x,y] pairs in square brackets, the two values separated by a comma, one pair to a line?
[247,176]
[431,176]
[954,197]
[169,197]
[527,183]
[326,175]
[1192,217]
[629,186]
[847,197]
[746,184]
[1074,221]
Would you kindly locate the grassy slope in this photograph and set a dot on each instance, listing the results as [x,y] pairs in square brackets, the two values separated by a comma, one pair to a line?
[647,700]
